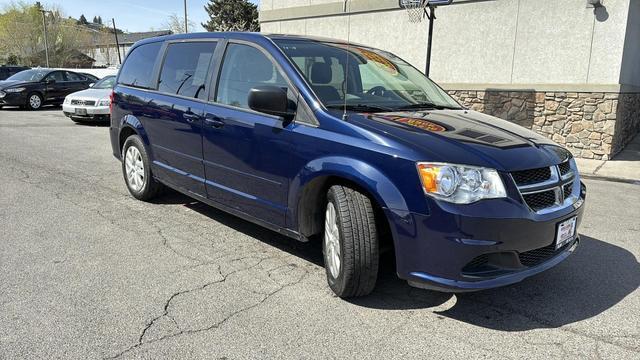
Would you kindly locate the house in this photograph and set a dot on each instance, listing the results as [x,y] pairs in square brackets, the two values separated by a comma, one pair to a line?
[105,51]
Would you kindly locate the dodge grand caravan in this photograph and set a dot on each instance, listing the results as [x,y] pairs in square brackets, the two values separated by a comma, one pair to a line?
[317,138]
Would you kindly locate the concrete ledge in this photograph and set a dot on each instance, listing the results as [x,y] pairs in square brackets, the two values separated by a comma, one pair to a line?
[612,88]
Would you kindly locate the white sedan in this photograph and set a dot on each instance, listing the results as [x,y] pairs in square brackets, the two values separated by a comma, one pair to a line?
[91,104]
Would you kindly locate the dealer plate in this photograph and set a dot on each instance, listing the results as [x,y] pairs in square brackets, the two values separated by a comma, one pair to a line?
[81,111]
[566,232]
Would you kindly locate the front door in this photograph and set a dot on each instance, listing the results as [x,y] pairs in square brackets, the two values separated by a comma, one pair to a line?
[55,86]
[174,115]
[246,153]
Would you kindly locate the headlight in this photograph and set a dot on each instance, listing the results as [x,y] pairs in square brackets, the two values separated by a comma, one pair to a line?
[104,102]
[15,90]
[460,184]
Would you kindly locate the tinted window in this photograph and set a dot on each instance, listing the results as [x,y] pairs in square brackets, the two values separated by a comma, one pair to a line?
[73,77]
[184,71]
[138,67]
[245,67]
[58,76]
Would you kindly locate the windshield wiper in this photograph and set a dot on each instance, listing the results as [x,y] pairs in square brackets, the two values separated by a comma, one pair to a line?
[361,107]
[427,105]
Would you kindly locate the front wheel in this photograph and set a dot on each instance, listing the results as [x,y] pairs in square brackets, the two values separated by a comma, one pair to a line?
[350,244]
[137,170]
[34,101]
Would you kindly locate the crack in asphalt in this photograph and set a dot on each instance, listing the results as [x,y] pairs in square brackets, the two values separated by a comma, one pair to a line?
[217,324]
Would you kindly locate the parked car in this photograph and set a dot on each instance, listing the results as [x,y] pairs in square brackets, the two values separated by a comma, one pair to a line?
[36,87]
[317,138]
[91,104]
[8,70]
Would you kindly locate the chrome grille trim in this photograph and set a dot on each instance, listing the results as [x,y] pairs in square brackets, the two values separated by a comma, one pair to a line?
[557,183]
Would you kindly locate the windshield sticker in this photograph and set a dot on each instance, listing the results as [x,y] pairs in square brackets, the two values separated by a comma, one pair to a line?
[380,61]
[415,122]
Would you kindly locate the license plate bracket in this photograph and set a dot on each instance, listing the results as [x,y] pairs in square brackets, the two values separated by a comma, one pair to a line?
[566,231]
[81,111]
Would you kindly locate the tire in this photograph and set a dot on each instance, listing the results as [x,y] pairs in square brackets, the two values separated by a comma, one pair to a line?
[34,101]
[358,239]
[141,184]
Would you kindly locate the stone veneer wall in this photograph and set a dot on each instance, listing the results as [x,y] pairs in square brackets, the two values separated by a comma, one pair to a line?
[593,125]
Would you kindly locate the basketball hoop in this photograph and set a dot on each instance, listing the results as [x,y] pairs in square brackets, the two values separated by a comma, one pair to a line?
[415,9]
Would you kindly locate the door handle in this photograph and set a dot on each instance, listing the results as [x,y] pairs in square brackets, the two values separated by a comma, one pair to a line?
[214,121]
[190,116]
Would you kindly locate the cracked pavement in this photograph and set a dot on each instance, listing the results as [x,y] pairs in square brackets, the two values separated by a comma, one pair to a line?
[86,271]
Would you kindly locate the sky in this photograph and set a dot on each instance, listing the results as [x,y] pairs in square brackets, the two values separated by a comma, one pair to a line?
[130,15]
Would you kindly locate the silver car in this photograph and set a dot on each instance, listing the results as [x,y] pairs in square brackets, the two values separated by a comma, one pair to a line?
[91,104]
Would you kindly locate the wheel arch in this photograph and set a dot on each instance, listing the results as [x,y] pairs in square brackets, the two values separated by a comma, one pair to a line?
[130,125]
[310,187]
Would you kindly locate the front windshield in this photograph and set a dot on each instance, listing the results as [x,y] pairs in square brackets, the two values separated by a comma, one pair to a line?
[29,75]
[105,83]
[375,79]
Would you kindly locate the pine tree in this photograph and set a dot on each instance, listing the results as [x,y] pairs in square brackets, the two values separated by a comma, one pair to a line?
[231,15]
[95,20]
[100,20]
[82,20]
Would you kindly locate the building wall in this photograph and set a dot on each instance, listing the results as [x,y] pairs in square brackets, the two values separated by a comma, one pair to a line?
[479,41]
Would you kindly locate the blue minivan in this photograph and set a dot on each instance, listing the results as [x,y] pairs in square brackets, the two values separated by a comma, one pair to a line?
[320,139]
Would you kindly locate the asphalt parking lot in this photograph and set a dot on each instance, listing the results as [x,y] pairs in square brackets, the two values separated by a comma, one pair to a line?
[86,271]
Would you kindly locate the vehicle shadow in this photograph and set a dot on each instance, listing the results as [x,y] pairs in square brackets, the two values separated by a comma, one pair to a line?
[595,278]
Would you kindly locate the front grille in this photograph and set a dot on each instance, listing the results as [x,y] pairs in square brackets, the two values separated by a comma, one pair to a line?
[564,168]
[527,177]
[476,264]
[540,200]
[83,102]
[568,190]
[538,256]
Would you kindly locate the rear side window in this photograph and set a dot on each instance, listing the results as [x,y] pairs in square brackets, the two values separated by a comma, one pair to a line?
[245,67]
[184,71]
[73,76]
[138,67]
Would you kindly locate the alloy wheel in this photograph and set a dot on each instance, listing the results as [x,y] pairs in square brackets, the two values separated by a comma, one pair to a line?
[134,168]
[332,241]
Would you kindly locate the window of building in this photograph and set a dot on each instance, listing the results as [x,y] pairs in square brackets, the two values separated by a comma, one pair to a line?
[185,67]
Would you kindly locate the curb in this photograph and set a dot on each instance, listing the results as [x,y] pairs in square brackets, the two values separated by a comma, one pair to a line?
[609,178]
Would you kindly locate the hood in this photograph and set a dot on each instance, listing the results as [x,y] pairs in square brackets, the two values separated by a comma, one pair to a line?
[93,94]
[10,83]
[465,137]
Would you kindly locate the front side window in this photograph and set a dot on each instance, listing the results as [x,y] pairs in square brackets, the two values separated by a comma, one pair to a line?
[137,69]
[184,71]
[245,67]
[363,76]
[57,76]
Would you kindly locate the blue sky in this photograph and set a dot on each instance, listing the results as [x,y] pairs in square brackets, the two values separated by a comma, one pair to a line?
[131,15]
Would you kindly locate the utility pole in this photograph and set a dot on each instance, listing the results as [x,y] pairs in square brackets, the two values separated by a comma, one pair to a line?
[115,32]
[44,25]
[186,22]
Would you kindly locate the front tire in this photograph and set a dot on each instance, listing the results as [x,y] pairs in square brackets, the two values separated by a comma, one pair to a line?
[350,243]
[136,169]
[34,101]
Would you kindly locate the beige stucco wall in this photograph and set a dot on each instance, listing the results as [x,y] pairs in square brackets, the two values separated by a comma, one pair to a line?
[483,42]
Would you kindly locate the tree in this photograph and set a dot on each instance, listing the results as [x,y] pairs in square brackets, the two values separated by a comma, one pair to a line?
[175,23]
[95,20]
[83,20]
[231,15]
[100,20]
[22,35]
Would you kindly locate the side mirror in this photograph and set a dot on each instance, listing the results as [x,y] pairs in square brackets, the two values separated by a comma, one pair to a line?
[91,85]
[270,100]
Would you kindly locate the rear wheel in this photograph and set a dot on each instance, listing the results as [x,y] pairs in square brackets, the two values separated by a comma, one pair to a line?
[34,101]
[137,170]
[350,244]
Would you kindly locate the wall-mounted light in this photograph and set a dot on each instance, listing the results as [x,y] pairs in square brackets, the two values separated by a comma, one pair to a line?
[594,3]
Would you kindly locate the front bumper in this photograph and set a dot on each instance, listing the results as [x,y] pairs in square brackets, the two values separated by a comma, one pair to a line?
[13,99]
[92,112]
[479,246]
